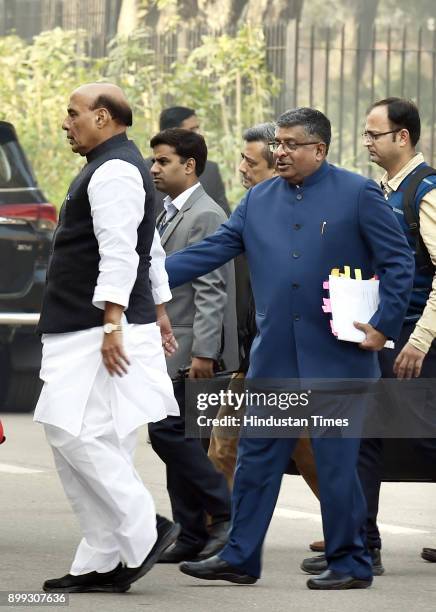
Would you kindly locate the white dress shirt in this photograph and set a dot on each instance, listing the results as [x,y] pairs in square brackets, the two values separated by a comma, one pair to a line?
[172,207]
[160,288]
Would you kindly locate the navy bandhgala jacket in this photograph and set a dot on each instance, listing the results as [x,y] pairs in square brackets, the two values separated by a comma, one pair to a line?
[293,237]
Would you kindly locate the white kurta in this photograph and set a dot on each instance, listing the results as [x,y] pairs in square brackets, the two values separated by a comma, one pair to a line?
[70,361]
[90,418]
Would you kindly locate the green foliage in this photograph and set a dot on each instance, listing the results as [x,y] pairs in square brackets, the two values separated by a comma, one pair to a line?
[225,79]
[135,67]
[35,83]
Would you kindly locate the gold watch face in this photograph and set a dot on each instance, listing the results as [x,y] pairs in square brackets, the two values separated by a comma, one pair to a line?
[108,328]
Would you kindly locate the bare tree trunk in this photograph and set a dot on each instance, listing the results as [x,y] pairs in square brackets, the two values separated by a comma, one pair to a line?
[128,19]
[285,10]
[217,14]
[364,16]
[187,9]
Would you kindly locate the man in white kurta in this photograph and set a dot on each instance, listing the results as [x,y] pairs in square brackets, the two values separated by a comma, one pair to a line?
[103,381]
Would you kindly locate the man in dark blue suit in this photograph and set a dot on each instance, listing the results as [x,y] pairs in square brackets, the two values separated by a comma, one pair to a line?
[295,229]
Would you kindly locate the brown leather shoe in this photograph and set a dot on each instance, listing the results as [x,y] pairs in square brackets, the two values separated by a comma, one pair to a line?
[317,546]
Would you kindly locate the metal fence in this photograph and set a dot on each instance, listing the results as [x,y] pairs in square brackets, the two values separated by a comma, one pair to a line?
[339,70]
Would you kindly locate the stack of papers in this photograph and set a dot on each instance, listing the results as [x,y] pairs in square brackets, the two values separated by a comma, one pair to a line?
[352,299]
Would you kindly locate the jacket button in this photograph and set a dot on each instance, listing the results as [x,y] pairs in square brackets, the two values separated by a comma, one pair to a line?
[296,317]
[295,286]
[299,196]
[297,226]
[295,255]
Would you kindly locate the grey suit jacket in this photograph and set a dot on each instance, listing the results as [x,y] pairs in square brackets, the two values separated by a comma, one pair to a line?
[211,181]
[202,312]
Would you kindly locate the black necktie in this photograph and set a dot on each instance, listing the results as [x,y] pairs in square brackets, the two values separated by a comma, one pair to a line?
[162,226]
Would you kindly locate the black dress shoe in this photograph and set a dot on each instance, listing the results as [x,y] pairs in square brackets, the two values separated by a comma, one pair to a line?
[330,580]
[429,554]
[317,565]
[219,534]
[167,533]
[215,568]
[162,522]
[87,583]
[179,552]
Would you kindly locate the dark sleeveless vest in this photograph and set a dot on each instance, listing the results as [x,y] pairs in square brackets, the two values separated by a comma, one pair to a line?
[73,267]
[422,281]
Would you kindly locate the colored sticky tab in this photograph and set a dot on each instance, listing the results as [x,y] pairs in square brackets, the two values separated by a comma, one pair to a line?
[327,307]
[347,272]
[335,272]
[358,274]
[332,328]
[325,285]
[375,277]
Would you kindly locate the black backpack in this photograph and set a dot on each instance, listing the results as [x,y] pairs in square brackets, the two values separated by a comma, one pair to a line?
[423,260]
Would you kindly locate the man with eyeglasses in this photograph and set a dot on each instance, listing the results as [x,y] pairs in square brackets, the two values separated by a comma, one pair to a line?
[319,217]
[392,131]
[257,165]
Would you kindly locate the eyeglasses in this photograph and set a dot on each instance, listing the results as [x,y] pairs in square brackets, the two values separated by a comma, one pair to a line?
[373,136]
[288,145]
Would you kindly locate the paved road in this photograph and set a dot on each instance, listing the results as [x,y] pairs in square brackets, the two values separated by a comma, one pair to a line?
[38,534]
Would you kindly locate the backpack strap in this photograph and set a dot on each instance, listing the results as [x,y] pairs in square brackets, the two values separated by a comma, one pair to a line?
[411,216]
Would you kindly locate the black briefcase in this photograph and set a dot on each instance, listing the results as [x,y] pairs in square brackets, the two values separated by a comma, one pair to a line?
[403,461]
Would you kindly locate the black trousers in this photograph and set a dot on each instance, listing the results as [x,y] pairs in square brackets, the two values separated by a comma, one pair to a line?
[194,486]
[370,465]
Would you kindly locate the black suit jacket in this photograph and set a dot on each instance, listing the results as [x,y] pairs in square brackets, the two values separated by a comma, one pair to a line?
[212,184]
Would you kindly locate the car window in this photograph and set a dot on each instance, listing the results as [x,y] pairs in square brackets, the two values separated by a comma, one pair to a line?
[15,172]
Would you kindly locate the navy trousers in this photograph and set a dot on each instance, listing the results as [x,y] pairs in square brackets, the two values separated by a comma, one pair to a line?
[260,467]
[370,459]
[194,486]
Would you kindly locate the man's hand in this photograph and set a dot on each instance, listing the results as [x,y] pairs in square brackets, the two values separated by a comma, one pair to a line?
[374,340]
[408,363]
[201,367]
[169,341]
[114,357]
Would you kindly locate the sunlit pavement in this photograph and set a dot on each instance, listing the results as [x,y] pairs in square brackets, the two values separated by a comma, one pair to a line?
[38,534]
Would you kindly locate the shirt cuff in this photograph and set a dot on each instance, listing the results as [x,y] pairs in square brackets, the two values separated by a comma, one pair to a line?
[161,294]
[109,294]
[421,338]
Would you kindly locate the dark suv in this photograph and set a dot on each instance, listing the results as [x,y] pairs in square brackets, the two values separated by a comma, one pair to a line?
[27,223]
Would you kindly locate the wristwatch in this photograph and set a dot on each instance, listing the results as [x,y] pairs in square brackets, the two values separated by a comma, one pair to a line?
[108,328]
